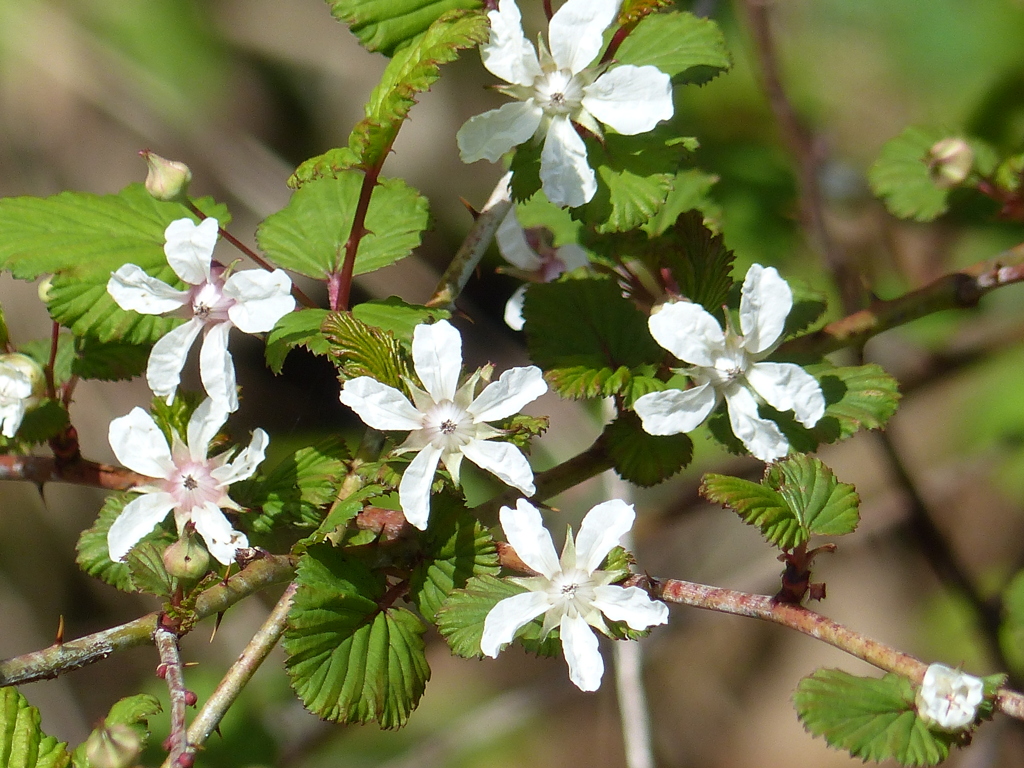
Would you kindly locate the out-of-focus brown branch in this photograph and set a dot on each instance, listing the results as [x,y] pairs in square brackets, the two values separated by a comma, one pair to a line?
[47,469]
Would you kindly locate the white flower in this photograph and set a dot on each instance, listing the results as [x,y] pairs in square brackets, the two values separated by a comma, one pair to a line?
[560,88]
[726,364]
[21,386]
[570,592]
[948,698]
[252,301]
[534,260]
[185,480]
[446,423]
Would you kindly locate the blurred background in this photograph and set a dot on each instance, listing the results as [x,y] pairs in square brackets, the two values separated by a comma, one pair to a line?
[244,90]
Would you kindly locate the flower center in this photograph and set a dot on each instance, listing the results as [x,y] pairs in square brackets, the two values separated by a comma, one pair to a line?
[209,304]
[192,486]
[573,590]
[558,92]
[448,426]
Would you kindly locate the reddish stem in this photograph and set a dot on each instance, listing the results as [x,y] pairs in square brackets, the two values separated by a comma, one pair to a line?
[340,293]
[51,385]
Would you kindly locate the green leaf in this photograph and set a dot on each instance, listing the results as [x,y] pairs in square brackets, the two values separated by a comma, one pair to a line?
[386,25]
[873,719]
[359,349]
[296,329]
[393,314]
[342,512]
[146,567]
[351,658]
[799,497]
[609,344]
[308,235]
[808,306]
[133,711]
[690,190]
[858,397]
[460,620]
[297,489]
[412,70]
[22,742]
[901,177]
[43,422]
[113,361]
[687,48]
[457,547]
[644,459]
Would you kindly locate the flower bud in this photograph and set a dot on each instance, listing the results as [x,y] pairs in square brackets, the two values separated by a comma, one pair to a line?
[187,559]
[45,288]
[32,370]
[113,746]
[167,180]
[949,162]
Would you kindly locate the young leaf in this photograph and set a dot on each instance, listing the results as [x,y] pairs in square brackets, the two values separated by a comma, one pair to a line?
[341,512]
[457,546]
[799,497]
[858,397]
[690,190]
[146,566]
[644,459]
[296,329]
[359,349]
[687,48]
[352,657]
[609,345]
[386,25]
[901,176]
[308,235]
[22,742]
[393,314]
[873,719]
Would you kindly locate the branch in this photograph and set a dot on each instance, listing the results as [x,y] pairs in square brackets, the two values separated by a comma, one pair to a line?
[47,469]
[171,671]
[74,654]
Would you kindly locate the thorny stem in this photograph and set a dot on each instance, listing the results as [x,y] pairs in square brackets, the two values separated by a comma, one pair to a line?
[47,469]
[262,643]
[170,670]
[51,363]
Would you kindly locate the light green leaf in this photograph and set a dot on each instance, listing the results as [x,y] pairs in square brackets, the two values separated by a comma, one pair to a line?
[296,329]
[859,397]
[146,566]
[690,191]
[133,711]
[359,349]
[687,48]
[394,315]
[799,497]
[644,459]
[308,235]
[22,742]
[341,512]
[609,346]
[351,657]
[457,547]
[901,177]
[873,719]
[386,25]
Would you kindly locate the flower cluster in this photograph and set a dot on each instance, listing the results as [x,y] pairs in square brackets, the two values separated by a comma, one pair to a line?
[446,422]
[726,364]
[558,85]
[949,698]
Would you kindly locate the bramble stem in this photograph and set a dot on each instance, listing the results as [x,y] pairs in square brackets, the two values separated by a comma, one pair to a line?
[170,670]
[47,469]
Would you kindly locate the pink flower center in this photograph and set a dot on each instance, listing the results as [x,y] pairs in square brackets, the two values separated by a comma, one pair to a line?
[192,486]
[209,304]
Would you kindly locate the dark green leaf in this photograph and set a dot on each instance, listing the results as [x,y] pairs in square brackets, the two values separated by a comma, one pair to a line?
[296,329]
[901,176]
[386,25]
[146,566]
[351,658]
[687,48]
[111,361]
[644,459]
[359,349]
[22,742]
[43,422]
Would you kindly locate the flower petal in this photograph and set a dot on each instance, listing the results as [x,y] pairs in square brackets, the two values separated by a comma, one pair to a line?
[502,398]
[507,53]
[689,332]
[565,176]
[512,243]
[414,489]
[579,645]
[163,373]
[244,464]
[261,299]
[601,531]
[575,32]
[507,617]
[11,416]
[203,426]
[189,248]
[380,406]
[492,134]
[761,437]
[631,605]
[139,517]
[630,99]
[514,308]
[139,444]
[133,289]
[221,539]
[504,461]
[572,256]
[524,530]
[765,302]
[216,368]
[788,387]
[675,411]
[437,358]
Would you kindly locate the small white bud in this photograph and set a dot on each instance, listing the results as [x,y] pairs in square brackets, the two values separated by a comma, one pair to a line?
[167,180]
[949,698]
[950,161]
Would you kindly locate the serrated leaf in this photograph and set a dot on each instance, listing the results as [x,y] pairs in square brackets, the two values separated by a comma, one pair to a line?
[412,70]
[687,48]
[393,314]
[296,329]
[460,620]
[112,361]
[45,421]
[359,349]
[900,176]
[351,660]
[858,397]
[644,459]
[341,512]
[456,547]
[308,235]
[386,25]
[689,192]
[698,260]
[147,571]
[799,497]
[873,719]
[22,742]
[609,344]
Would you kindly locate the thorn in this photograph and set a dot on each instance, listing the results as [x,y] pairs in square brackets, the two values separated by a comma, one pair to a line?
[60,631]
[216,625]
[472,211]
